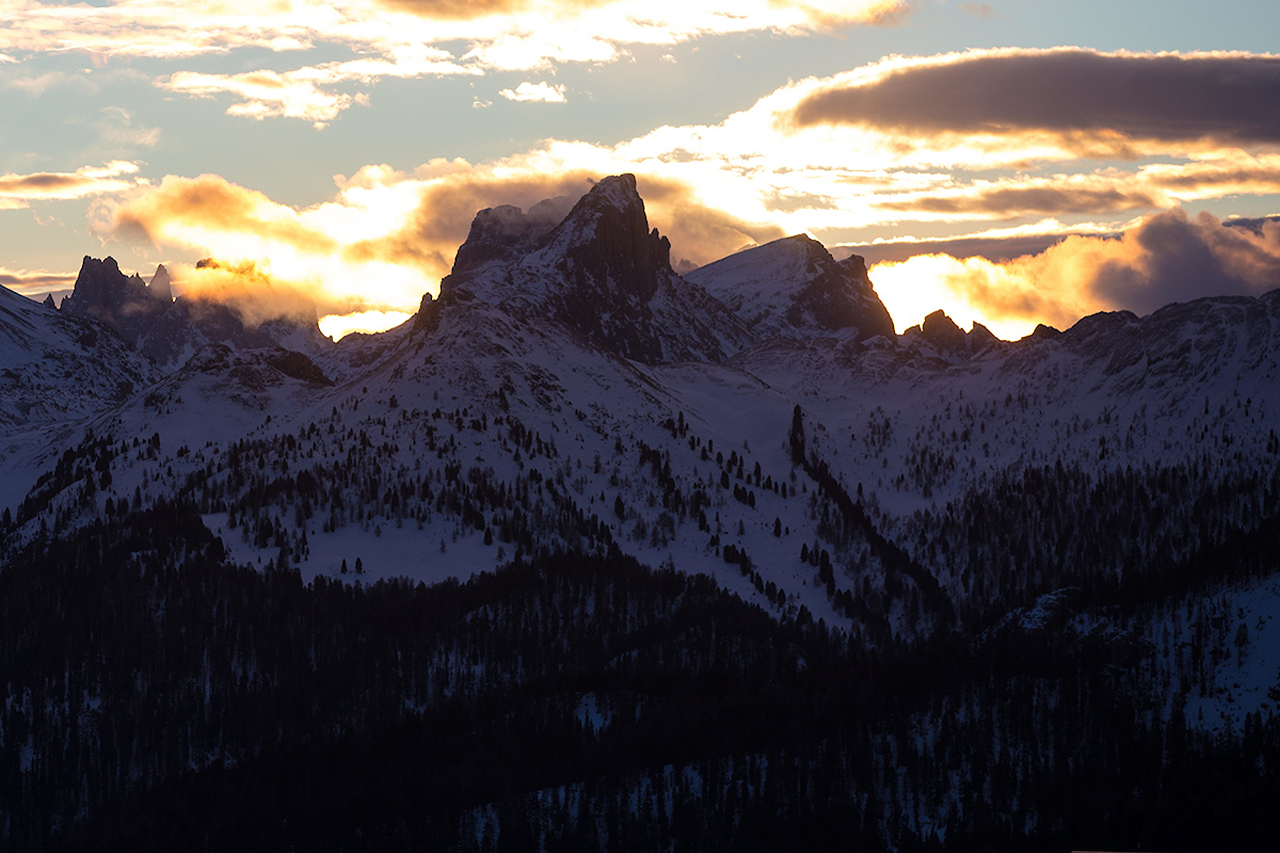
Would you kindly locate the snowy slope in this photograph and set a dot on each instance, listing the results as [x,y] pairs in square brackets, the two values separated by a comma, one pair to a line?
[55,369]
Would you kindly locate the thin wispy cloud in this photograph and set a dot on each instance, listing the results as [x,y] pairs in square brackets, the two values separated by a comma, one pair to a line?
[20,190]
[34,282]
[541,93]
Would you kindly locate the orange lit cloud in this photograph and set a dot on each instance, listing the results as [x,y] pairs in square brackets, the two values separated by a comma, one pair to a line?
[18,191]
[469,9]
[255,295]
[258,239]
[1166,257]
[1084,102]
[388,237]
[187,211]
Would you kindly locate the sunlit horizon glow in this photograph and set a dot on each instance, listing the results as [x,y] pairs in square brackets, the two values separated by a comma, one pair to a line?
[338,326]
[915,288]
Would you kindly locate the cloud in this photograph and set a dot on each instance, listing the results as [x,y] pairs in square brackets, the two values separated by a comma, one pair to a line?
[1166,257]
[1087,195]
[470,9]
[543,93]
[18,191]
[251,292]
[981,11]
[35,283]
[264,94]
[1086,102]
[115,132]
[997,247]
[338,326]
[308,93]
[392,38]
[182,210]
[1159,185]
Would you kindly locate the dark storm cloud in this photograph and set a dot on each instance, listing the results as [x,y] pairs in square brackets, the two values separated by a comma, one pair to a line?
[1173,258]
[1082,95]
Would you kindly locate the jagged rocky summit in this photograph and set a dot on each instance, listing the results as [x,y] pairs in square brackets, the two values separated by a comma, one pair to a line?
[793,288]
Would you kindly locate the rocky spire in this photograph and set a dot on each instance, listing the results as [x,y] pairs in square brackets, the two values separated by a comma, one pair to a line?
[606,237]
[159,289]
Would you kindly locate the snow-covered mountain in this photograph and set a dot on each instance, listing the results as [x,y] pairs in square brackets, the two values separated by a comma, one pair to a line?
[662,409]
[1104,499]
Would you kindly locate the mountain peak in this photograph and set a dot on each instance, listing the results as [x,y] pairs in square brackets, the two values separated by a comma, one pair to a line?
[103,291]
[597,268]
[943,331]
[792,286]
[607,234]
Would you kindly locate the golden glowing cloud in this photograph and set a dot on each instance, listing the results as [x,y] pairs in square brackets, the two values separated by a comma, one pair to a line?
[388,237]
[338,326]
[254,294]
[294,249]
[1164,258]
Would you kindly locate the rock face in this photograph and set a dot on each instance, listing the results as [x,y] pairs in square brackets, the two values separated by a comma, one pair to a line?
[159,289]
[793,288]
[600,270]
[123,302]
[942,331]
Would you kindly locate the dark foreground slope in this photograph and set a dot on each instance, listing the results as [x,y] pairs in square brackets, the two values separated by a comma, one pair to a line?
[158,697]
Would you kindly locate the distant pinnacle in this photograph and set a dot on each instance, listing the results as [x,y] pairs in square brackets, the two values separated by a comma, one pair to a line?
[159,288]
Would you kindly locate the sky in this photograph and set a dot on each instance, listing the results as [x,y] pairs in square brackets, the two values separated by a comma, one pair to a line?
[1013,162]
